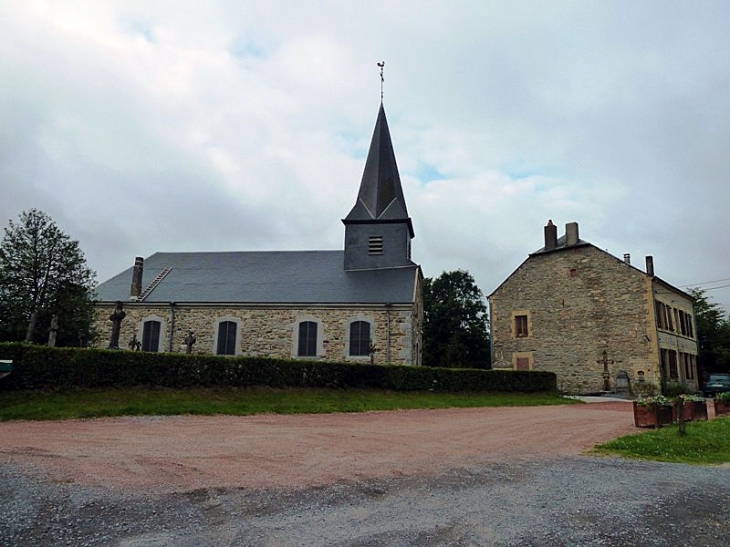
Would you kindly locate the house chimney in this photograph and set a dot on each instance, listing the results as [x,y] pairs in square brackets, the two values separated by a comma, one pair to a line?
[650,266]
[627,258]
[136,289]
[551,236]
[571,234]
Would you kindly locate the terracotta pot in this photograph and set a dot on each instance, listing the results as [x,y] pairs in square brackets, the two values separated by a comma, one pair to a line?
[695,411]
[652,415]
[721,408]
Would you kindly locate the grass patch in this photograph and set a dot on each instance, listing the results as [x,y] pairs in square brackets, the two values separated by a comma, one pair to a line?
[705,443]
[95,403]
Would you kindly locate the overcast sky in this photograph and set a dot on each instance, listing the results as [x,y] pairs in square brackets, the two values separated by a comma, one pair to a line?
[144,126]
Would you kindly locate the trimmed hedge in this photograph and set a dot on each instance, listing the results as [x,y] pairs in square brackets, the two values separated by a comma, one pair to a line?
[41,367]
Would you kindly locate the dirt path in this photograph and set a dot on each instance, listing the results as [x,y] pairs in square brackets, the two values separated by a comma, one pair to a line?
[175,454]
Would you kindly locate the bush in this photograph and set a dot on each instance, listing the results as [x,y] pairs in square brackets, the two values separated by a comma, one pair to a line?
[40,367]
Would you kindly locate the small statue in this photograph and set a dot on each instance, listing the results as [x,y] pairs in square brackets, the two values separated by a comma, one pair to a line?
[133,343]
[189,342]
[116,318]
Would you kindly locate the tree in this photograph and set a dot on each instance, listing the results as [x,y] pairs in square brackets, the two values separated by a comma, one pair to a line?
[455,323]
[43,273]
[713,333]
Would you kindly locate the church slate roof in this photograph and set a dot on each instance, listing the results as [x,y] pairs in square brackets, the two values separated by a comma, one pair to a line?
[266,277]
[381,195]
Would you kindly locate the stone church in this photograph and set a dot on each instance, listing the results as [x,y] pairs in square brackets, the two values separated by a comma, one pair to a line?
[360,304]
[598,322]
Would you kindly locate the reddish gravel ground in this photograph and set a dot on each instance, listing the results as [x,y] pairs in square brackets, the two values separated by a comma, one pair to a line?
[182,453]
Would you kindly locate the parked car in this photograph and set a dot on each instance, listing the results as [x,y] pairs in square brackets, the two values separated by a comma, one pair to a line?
[716,383]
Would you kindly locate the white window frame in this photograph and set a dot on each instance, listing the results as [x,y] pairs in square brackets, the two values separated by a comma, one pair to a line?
[295,337]
[163,331]
[239,341]
[365,319]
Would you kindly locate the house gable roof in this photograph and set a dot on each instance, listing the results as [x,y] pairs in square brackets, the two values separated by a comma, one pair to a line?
[275,277]
[561,247]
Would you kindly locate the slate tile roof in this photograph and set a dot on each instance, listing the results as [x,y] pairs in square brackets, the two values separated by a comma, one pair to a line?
[265,277]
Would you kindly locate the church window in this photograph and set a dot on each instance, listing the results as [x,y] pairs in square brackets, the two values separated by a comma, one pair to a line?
[521,326]
[226,338]
[360,338]
[151,336]
[375,245]
[307,339]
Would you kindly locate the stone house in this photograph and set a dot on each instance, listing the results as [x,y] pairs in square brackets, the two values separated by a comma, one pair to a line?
[363,303]
[595,320]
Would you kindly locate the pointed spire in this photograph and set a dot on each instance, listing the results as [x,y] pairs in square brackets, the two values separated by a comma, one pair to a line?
[381,195]
[378,231]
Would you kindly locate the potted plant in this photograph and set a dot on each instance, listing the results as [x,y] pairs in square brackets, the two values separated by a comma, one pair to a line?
[653,411]
[722,403]
[695,407]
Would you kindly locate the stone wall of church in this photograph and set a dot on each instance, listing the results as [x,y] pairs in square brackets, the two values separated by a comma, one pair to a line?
[560,311]
[268,330]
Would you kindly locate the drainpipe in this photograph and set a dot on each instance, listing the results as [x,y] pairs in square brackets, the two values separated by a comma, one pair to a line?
[172,325]
[387,343]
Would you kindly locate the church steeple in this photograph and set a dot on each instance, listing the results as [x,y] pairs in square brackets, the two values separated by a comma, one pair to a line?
[378,229]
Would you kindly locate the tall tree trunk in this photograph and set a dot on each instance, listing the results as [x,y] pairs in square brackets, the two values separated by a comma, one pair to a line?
[30,333]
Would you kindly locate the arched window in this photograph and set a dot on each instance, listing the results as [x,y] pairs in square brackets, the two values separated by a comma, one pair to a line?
[307,339]
[151,335]
[360,338]
[226,338]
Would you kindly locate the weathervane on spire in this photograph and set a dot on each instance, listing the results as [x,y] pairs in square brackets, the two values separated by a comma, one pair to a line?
[381,64]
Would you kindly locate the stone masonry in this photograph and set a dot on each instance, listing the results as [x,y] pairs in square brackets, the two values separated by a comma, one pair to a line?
[580,302]
[271,331]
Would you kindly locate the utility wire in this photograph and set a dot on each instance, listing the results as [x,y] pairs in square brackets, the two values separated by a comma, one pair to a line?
[706,283]
[713,288]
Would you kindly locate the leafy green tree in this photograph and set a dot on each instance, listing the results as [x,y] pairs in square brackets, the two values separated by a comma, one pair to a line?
[713,333]
[43,273]
[455,323]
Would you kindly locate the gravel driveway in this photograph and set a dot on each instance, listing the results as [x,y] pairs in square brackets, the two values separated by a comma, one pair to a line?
[502,476]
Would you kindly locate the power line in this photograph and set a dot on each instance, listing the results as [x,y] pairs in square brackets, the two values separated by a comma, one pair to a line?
[707,282]
[713,288]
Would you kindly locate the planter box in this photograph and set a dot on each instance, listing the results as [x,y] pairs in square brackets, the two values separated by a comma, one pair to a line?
[694,411]
[652,415]
[721,408]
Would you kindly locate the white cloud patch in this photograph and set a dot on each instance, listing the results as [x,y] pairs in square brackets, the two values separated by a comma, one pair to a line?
[145,126]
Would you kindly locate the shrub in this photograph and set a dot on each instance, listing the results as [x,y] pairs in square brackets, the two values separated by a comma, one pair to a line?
[40,367]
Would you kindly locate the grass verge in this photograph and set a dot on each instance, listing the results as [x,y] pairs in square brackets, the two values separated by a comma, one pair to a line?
[95,403]
[704,443]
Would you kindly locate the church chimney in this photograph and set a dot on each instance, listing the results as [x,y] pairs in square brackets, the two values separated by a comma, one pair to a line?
[571,234]
[627,258]
[650,266]
[551,236]
[136,289]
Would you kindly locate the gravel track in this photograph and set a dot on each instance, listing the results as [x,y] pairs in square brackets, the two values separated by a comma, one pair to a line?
[503,477]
